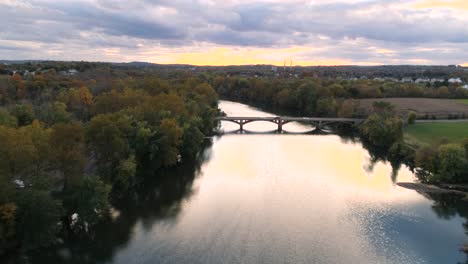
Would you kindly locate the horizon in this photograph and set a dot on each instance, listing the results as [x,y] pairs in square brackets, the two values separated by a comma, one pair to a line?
[238,32]
[233,65]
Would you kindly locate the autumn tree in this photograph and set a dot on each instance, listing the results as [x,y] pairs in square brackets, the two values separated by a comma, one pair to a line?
[68,141]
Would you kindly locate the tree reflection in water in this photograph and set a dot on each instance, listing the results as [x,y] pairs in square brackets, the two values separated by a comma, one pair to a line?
[158,197]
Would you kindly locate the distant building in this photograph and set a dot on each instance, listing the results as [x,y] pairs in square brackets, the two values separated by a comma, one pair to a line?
[465,86]
[455,80]
[407,80]
[274,68]
[434,80]
[28,73]
[422,80]
[72,71]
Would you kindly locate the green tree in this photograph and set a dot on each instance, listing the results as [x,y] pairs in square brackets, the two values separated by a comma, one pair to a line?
[326,106]
[7,120]
[23,113]
[38,215]
[107,139]
[453,164]
[89,199]
[411,117]
[170,135]
[382,131]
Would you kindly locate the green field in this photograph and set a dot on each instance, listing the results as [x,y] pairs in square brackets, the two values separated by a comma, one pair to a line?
[465,101]
[432,133]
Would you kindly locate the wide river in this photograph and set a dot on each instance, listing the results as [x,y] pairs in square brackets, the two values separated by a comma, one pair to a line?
[278,198]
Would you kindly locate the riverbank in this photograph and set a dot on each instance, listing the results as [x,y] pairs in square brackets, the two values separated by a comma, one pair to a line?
[457,189]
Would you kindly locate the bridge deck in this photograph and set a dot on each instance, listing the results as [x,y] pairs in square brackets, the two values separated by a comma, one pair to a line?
[287,118]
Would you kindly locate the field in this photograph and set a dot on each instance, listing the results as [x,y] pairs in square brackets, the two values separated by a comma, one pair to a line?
[440,108]
[431,133]
[463,101]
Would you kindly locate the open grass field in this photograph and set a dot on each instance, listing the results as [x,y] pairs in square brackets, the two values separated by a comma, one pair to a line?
[431,133]
[440,108]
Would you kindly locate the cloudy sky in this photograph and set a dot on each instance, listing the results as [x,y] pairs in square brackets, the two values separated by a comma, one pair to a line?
[225,32]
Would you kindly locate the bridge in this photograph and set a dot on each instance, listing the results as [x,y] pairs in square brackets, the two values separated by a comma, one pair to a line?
[318,122]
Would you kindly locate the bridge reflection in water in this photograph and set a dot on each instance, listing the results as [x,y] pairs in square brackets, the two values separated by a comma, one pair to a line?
[314,131]
[318,122]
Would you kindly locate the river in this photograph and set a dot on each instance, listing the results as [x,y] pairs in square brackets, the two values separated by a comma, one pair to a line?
[276,198]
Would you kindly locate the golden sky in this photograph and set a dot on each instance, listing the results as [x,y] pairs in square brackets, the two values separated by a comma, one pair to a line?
[454,4]
[244,56]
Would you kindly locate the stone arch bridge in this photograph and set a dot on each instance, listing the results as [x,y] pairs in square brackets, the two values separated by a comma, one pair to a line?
[318,122]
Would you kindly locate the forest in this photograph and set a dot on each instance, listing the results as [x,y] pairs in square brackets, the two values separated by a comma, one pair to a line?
[71,145]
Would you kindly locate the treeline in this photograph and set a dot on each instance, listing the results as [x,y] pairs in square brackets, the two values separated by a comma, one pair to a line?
[44,66]
[69,146]
[323,97]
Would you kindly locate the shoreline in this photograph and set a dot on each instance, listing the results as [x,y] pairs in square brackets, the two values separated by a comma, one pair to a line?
[439,189]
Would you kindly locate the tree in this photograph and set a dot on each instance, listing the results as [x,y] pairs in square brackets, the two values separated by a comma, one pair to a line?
[79,101]
[37,216]
[348,108]
[453,164]
[465,146]
[6,119]
[411,117]
[19,85]
[286,99]
[307,98]
[17,151]
[68,142]
[170,135]
[326,106]
[192,138]
[89,199]
[426,162]
[382,131]
[23,113]
[7,224]
[206,94]
[126,172]
[337,90]
[107,139]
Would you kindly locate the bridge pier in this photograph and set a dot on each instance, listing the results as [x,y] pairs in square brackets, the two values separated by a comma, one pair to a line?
[319,125]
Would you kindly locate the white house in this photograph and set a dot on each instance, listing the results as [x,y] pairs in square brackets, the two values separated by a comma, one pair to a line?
[437,80]
[455,80]
[72,71]
[422,80]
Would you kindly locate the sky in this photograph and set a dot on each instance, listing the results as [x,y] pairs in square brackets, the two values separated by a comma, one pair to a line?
[237,32]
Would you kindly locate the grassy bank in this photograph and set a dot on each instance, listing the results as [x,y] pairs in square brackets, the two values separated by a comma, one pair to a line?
[430,133]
